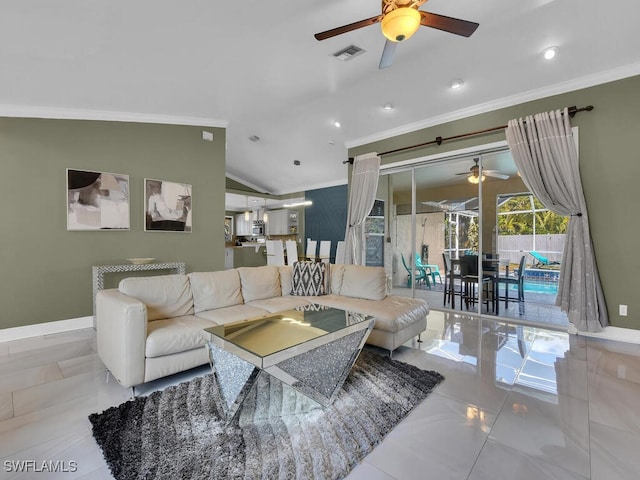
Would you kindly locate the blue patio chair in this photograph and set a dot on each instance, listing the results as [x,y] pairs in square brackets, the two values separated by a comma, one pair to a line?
[421,274]
[541,261]
[432,270]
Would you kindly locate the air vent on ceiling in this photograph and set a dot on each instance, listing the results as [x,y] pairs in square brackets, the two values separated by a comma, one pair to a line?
[348,53]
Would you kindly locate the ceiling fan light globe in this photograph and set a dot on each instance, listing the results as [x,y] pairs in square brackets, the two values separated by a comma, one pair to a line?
[475,179]
[400,24]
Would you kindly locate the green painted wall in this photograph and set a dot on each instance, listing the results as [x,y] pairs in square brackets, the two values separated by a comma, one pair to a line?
[47,269]
[609,166]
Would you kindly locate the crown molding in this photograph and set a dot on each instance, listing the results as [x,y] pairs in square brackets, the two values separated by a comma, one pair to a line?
[555,89]
[20,111]
[258,189]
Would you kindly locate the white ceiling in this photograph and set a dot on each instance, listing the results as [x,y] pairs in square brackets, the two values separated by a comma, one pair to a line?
[255,67]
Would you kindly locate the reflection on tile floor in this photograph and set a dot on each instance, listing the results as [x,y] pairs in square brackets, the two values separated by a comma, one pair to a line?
[538,308]
[517,402]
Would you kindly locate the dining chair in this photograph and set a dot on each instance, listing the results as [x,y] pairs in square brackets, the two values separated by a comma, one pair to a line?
[292,251]
[275,252]
[517,279]
[340,254]
[325,251]
[312,246]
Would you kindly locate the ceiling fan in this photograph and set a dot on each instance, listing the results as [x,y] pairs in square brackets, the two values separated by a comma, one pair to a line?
[400,19]
[473,175]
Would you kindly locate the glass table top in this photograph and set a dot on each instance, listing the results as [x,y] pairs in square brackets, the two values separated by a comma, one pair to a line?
[267,335]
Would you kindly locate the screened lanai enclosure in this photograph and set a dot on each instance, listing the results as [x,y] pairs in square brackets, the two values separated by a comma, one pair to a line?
[464,233]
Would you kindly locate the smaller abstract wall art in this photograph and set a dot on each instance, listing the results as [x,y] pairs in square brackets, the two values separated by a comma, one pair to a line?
[167,206]
[97,200]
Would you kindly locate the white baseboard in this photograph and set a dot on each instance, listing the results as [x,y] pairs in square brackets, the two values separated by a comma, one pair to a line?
[28,331]
[628,335]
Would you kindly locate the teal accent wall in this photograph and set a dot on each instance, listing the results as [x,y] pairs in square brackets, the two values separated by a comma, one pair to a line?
[46,269]
[326,219]
[609,167]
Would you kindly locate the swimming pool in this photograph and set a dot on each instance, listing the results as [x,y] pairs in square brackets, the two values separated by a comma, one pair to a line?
[537,287]
[537,280]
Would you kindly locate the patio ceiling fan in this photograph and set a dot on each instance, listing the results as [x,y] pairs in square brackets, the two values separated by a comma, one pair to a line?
[473,175]
[453,205]
[400,19]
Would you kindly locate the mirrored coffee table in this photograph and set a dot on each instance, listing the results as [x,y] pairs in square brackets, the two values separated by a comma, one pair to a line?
[310,348]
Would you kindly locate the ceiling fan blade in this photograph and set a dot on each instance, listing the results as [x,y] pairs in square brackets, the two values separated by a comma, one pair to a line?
[387,54]
[448,24]
[347,28]
[490,173]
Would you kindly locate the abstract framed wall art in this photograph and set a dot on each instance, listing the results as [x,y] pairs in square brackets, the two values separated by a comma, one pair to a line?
[97,200]
[167,206]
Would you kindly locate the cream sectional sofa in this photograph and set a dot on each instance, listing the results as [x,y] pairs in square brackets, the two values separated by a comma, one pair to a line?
[151,327]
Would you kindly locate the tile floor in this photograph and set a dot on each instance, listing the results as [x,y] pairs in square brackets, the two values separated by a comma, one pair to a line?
[517,402]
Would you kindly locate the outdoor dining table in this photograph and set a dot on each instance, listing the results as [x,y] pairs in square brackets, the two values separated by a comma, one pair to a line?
[493,274]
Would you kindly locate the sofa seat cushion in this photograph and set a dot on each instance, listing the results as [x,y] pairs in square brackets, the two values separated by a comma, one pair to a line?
[174,335]
[165,296]
[259,282]
[391,314]
[278,304]
[235,313]
[215,289]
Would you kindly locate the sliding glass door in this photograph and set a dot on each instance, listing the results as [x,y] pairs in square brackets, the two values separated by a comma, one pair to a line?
[446,242]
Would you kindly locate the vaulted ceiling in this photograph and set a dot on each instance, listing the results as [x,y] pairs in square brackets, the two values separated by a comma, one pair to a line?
[255,68]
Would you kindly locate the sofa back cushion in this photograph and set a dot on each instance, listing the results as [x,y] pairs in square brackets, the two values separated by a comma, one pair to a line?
[285,279]
[364,282]
[337,275]
[213,290]
[310,278]
[166,296]
[259,282]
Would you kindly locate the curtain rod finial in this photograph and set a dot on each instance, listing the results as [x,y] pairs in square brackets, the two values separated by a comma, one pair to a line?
[348,160]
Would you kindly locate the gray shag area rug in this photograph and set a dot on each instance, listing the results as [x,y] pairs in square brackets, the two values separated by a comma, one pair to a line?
[178,433]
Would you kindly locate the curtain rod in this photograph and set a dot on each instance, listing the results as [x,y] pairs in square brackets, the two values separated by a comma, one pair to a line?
[572,111]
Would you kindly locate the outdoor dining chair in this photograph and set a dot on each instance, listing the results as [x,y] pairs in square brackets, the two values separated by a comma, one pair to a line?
[421,274]
[471,279]
[450,277]
[517,279]
[432,270]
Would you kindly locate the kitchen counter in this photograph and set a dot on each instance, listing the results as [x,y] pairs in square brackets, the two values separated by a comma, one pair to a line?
[249,254]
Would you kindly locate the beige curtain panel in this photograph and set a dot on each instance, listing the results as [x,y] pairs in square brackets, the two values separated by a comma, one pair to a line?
[364,184]
[545,153]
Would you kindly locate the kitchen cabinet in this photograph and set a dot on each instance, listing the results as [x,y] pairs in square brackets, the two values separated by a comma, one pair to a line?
[243,228]
[228,258]
[282,222]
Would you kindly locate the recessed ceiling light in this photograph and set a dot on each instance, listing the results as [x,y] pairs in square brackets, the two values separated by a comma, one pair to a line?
[550,52]
[456,83]
[388,106]
[336,124]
